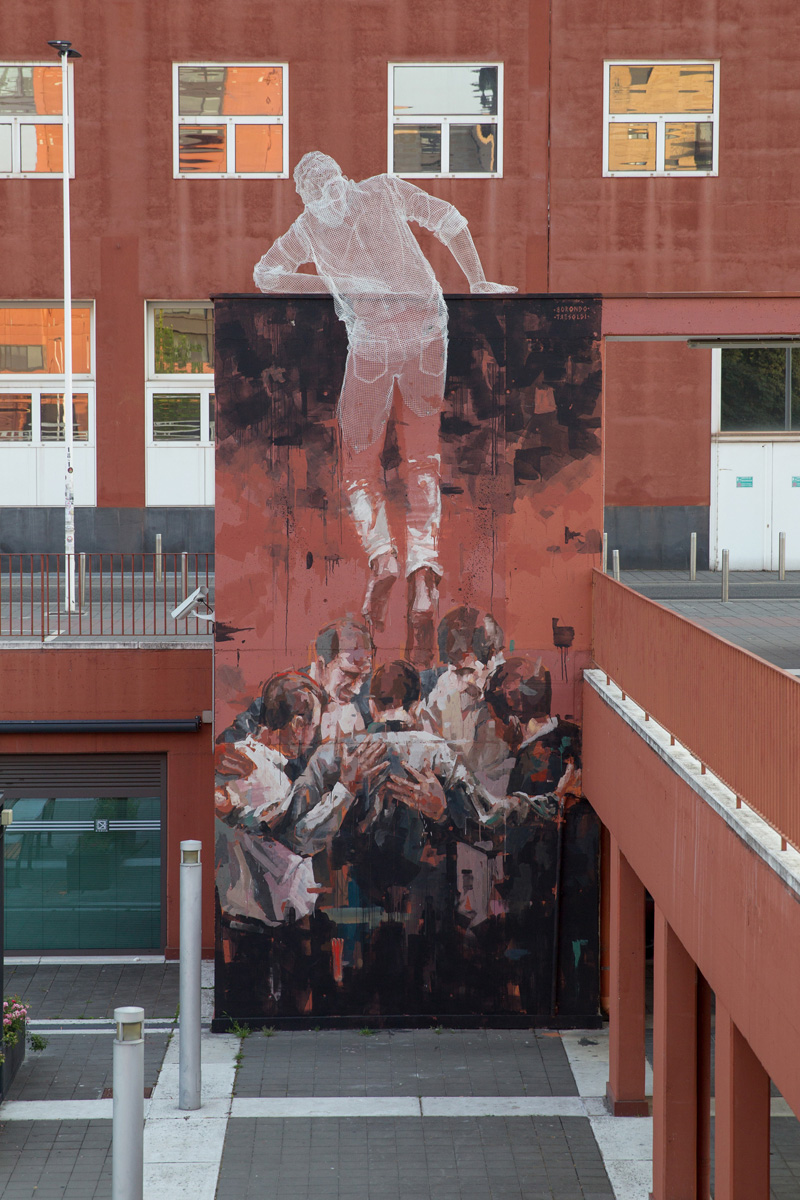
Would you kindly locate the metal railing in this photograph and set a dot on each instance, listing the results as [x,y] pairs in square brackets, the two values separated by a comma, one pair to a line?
[117,595]
[736,713]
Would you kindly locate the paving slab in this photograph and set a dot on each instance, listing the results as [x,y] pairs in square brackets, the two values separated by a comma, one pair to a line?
[81,991]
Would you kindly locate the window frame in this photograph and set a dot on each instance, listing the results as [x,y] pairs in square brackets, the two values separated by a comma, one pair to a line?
[19,119]
[660,120]
[161,382]
[445,122]
[39,383]
[178,121]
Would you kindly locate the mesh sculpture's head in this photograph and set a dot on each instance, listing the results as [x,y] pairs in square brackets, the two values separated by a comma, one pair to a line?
[322,187]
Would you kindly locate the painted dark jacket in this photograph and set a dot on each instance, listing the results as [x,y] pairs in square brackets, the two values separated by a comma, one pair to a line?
[541,762]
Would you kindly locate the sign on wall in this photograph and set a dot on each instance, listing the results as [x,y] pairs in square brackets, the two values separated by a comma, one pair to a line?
[403,615]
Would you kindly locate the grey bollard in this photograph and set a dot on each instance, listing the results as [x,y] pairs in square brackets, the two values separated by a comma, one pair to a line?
[726,570]
[781,555]
[191,951]
[616,565]
[159,560]
[693,557]
[127,1148]
[605,553]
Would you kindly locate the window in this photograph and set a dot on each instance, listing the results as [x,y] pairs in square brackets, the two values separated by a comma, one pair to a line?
[760,390]
[32,366]
[661,118]
[231,121]
[180,403]
[445,119]
[31,120]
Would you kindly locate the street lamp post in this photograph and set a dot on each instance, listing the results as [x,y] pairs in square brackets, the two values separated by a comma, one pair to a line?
[65,52]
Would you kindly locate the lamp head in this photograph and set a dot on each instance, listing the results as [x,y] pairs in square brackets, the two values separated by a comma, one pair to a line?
[61,47]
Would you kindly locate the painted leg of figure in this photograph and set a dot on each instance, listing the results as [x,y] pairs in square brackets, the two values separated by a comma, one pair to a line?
[423,520]
[363,409]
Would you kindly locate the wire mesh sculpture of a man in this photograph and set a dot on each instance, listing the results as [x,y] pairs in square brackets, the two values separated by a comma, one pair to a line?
[358,238]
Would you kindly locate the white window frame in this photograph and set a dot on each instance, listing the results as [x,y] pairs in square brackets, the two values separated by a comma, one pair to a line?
[18,120]
[445,122]
[660,120]
[230,122]
[159,383]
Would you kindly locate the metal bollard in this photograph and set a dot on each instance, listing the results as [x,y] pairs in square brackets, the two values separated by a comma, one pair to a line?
[191,948]
[781,555]
[616,565]
[725,575]
[693,557]
[159,560]
[81,578]
[605,553]
[127,1147]
[185,574]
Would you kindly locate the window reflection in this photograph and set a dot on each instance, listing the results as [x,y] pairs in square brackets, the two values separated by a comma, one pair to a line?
[30,91]
[662,88]
[176,418]
[230,91]
[457,90]
[212,408]
[689,146]
[53,426]
[753,389]
[42,148]
[183,341]
[473,148]
[32,339]
[202,148]
[16,416]
[632,147]
[417,148]
[259,148]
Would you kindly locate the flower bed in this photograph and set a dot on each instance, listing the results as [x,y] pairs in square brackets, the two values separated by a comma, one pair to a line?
[15,1018]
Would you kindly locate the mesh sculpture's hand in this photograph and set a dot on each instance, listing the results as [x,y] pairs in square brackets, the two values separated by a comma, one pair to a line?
[483,286]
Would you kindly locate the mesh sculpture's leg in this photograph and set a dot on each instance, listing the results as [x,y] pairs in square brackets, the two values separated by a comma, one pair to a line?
[363,408]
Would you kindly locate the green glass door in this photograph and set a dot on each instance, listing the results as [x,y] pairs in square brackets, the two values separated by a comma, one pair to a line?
[83,874]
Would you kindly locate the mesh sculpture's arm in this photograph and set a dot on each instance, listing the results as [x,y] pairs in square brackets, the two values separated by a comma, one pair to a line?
[277,270]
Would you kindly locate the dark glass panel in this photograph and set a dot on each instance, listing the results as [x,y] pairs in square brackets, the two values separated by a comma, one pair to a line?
[53,417]
[753,390]
[176,418]
[473,148]
[417,148]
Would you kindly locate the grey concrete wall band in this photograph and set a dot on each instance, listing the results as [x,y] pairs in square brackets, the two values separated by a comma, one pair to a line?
[131,530]
[658,537]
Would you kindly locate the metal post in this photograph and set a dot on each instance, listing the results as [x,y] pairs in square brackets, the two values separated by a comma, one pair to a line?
[781,555]
[185,574]
[693,557]
[605,553]
[159,560]
[65,53]
[191,946]
[127,1148]
[725,575]
[616,565]
[81,578]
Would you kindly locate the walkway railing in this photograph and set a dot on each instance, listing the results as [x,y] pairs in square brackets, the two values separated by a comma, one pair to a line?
[117,595]
[739,715]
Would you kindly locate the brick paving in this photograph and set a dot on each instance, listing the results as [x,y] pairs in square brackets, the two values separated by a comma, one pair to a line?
[78,1067]
[84,992]
[55,1160]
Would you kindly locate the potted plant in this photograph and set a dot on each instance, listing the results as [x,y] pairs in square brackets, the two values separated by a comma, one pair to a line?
[15,1017]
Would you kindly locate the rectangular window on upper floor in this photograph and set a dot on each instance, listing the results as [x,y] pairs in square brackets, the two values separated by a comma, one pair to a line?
[32,121]
[661,118]
[230,120]
[180,372]
[446,120]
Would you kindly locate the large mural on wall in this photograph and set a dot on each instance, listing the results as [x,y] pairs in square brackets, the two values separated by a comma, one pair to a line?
[408,510]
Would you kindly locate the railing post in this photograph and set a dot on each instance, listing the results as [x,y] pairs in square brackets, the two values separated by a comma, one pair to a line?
[185,574]
[616,565]
[693,557]
[159,560]
[81,578]
[127,1148]
[191,952]
[781,555]
[605,553]
[725,575]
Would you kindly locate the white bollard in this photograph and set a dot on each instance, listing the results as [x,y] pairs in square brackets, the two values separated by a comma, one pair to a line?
[127,1147]
[605,553]
[191,953]
[159,560]
[781,556]
[693,557]
[615,557]
[726,570]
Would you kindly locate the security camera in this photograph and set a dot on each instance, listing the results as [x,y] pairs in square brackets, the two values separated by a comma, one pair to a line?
[187,608]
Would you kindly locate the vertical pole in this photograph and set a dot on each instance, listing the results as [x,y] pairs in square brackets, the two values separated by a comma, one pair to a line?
[781,555]
[616,565]
[625,1089]
[726,570]
[159,560]
[185,574]
[127,1148]
[81,578]
[69,482]
[742,1102]
[605,553]
[693,558]
[191,948]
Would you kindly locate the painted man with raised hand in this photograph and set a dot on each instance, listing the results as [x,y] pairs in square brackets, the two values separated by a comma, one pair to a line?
[358,238]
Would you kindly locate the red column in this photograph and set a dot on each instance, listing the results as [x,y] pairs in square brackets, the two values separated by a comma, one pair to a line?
[674,1067]
[741,1151]
[626,1052]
